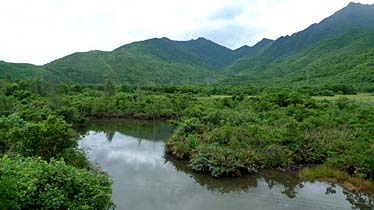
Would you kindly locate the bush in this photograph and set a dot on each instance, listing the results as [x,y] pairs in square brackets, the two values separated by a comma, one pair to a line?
[32,183]
[278,129]
[46,139]
[223,161]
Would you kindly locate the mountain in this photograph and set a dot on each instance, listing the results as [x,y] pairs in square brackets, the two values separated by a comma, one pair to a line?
[153,61]
[20,70]
[339,49]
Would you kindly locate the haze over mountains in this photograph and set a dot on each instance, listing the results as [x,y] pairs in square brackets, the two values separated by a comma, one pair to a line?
[338,49]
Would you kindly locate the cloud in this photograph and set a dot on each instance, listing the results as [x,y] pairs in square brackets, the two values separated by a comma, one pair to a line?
[232,35]
[43,30]
[227,13]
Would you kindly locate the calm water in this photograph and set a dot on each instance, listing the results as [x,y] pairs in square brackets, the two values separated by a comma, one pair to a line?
[133,155]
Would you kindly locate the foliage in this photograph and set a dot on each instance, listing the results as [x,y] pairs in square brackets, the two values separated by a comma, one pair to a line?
[224,136]
[33,123]
[221,130]
[328,173]
[337,51]
[46,139]
[32,183]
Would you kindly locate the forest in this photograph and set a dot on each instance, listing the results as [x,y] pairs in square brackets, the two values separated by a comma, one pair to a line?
[220,130]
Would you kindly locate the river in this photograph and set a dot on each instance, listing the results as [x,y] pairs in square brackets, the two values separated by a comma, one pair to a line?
[132,153]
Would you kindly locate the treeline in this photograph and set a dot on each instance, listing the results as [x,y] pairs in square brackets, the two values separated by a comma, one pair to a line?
[203,90]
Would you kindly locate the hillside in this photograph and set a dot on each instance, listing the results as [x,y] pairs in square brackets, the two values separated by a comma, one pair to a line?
[19,70]
[153,61]
[339,49]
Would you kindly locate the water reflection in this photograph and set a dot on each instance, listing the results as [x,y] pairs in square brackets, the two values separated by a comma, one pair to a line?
[360,200]
[289,181]
[139,129]
[132,153]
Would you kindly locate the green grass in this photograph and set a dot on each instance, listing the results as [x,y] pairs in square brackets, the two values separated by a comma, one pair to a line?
[330,174]
[213,97]
[364,98]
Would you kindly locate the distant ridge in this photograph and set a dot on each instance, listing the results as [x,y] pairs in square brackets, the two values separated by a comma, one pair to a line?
[339,49]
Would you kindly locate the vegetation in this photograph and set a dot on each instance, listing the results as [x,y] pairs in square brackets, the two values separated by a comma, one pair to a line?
[338,50]
[221,130]
[344,58]
[363,98]
[327,173]
[40,164]
[19,71]
[32,183]
[232,135]
[274,105]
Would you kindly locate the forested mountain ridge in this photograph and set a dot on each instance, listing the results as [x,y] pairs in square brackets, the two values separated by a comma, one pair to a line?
[153,61]
[19,70]
[339,49]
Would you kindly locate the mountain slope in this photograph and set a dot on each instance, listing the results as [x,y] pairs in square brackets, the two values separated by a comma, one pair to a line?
[323,52]
[20,70]
[153,61]
[339,49]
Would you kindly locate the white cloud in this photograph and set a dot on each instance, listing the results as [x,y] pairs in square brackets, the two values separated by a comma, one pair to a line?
[43,30]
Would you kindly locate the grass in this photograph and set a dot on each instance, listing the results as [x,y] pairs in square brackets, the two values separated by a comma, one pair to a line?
[365,98]
[214,96]
[330,174]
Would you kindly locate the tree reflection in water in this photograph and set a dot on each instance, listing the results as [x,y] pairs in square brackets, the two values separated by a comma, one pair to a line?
[288,183]
[360,200]
[288,180]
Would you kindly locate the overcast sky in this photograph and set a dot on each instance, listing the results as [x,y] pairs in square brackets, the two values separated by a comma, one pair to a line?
[39,31]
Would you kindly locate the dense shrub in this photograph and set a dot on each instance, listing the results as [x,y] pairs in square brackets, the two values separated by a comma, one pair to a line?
[36,129]
[32,183]
[280,129]
[46,139]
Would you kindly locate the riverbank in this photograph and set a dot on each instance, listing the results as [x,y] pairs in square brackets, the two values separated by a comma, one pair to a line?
[336,176]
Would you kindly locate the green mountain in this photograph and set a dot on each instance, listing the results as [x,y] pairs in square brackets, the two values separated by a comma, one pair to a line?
[22,71]
[338,49]
[154,61]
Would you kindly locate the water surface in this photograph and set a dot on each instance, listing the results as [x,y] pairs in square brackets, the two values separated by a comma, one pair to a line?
[132,152]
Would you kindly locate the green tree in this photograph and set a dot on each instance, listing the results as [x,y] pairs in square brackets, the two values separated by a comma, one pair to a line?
[32,183]
[110,88]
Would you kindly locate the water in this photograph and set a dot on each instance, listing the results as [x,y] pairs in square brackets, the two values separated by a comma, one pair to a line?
[132,152]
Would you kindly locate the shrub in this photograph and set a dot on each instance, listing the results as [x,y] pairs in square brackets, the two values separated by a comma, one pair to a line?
[46,139]
[33,183]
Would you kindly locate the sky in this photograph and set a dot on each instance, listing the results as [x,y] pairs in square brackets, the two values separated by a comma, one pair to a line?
[40,31]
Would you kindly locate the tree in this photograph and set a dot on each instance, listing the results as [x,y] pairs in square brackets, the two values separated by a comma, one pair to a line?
[109,88]
[32,183]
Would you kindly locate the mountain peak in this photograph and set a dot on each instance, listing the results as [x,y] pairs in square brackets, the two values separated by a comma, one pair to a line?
[157,39]
[357,4]
[263,42]
[354,6]
[354,14]
[201,39]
